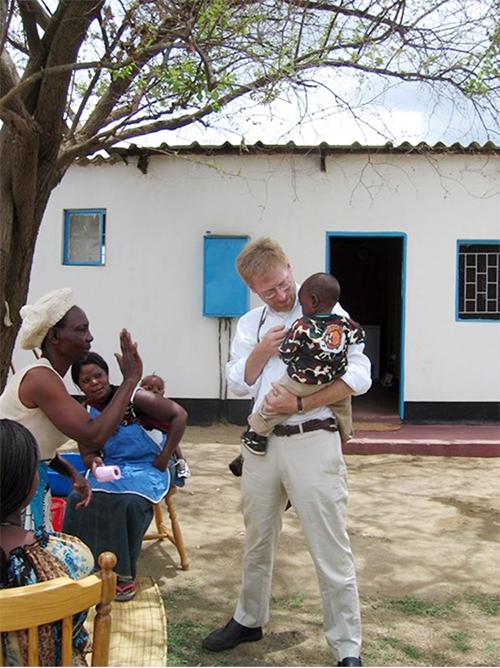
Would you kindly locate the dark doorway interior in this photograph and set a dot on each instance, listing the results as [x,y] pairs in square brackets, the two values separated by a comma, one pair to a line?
[369,269]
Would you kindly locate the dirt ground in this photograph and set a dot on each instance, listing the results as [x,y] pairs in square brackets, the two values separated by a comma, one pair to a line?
[425,536]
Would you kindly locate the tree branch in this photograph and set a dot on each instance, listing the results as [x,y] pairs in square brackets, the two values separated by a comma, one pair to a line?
[18,46]
[345,11]
[41,16]
[30,23]
[22,85]
[6,13]
[97,75]
[396,74]
[72,20]
[15,112]
[102,139]
[119,86]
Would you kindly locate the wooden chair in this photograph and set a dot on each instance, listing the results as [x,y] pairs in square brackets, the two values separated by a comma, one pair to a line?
[174,534]
[27,608]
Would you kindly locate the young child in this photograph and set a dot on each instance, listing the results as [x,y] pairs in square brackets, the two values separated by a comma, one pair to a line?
[155,384]
[314,350]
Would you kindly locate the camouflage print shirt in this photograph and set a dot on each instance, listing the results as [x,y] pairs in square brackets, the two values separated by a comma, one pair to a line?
[315,348]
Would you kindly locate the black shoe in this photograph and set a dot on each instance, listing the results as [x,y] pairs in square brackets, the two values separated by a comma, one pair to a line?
[236,466]
[230,636]
[350,661]
[254,442]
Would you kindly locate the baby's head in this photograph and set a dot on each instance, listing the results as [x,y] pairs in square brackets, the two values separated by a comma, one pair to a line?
[319,293]
[154,384]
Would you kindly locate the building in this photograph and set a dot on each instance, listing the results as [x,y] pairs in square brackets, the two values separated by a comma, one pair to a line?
[147,239]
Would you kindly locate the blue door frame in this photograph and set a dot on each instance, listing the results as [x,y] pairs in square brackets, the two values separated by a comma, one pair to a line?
[403,237]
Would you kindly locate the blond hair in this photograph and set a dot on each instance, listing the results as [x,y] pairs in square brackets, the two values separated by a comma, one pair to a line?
[260,257]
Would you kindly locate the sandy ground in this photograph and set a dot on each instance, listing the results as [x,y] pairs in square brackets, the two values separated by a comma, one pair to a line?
[424,533]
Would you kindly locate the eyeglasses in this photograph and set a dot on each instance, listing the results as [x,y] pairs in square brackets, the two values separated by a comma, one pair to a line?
[284,286]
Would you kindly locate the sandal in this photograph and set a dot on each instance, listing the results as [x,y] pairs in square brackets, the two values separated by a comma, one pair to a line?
[125,591]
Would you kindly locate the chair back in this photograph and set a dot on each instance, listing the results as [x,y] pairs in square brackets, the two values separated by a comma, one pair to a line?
[27,608]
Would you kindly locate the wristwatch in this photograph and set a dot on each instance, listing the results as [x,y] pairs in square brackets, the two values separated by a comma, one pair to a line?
[300,406]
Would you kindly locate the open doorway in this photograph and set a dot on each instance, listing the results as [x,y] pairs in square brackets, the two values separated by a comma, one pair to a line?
[370,268]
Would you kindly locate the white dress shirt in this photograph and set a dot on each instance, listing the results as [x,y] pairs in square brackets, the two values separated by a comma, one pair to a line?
[250,330]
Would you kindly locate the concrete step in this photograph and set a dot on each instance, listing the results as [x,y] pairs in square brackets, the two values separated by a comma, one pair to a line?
[444,440]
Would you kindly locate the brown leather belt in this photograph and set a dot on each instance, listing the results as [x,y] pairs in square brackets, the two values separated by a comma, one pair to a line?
[330,424]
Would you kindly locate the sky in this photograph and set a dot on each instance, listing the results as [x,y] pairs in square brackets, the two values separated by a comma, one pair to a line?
[404,112]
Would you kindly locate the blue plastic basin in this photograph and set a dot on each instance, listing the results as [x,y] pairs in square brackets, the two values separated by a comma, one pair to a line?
[59,484]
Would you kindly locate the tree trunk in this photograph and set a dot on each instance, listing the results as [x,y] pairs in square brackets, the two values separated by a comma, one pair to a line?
[25,187]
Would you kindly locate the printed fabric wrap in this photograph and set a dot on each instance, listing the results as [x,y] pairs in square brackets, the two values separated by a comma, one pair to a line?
[50,556]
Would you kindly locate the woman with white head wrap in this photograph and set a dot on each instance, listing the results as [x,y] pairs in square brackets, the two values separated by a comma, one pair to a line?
[37,397]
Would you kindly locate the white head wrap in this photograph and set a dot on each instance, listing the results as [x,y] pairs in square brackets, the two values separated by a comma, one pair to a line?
[44,314]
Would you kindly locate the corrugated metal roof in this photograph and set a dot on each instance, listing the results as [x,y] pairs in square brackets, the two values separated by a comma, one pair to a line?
[322,149]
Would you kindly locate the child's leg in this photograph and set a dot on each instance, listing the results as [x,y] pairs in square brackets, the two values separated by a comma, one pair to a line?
[253,442]
[178,452]
[263,424]
[255,438]
[181,467]
[342,411]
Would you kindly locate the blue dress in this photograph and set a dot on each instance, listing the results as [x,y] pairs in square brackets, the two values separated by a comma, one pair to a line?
[39,508]
[133,449]
[120,512]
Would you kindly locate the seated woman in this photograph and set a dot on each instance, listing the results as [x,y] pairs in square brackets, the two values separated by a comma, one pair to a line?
[26,557]
[121,511]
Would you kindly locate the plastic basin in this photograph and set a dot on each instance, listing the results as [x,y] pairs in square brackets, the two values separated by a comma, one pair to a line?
[59,484]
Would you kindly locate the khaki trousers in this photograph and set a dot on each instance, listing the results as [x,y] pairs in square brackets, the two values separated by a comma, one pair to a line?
[308,469]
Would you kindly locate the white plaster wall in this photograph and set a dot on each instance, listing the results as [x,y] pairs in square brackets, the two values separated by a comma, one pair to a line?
[152,281]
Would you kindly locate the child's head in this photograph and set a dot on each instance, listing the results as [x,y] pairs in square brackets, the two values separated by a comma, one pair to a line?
[319,293]
[154,384]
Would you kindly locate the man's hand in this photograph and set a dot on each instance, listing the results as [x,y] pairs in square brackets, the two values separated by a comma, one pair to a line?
[279,401]
[81,485]
[266,348]
[272,340]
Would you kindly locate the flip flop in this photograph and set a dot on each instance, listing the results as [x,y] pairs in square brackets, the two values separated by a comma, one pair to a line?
[125,591]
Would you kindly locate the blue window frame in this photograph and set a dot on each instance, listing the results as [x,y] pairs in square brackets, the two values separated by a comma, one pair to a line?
[84,237]
[478,280]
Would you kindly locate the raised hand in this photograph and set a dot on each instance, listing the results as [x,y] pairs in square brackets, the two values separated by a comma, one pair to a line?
[129,360]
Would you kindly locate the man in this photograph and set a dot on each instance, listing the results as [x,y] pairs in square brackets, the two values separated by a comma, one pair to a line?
[304,463]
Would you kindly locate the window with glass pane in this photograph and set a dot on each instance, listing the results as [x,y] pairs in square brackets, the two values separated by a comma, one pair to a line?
[479,280]
[84,236]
